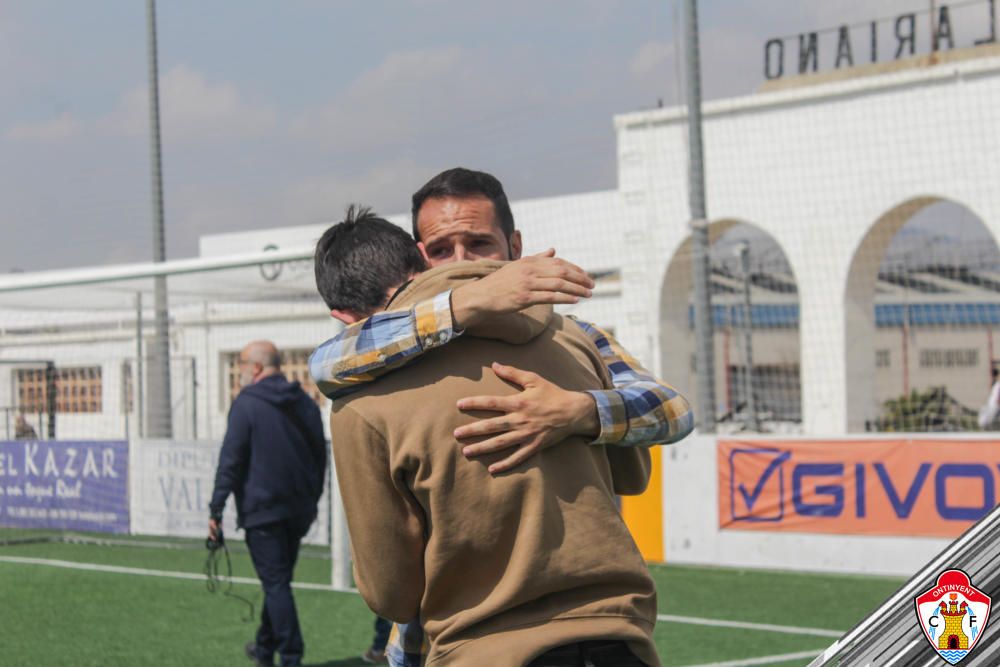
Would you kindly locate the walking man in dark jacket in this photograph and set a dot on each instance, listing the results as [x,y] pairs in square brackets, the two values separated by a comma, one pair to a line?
[273,460]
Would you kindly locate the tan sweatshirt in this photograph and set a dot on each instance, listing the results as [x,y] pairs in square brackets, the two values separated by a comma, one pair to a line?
[498,569]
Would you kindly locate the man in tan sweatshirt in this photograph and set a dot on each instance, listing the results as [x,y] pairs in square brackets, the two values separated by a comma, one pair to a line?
[532,567]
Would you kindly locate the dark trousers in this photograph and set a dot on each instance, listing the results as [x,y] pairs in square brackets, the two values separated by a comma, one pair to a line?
[274,548]
[589,654]
[383,628]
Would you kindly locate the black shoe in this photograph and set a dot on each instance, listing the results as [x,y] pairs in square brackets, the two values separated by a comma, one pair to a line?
[253,652]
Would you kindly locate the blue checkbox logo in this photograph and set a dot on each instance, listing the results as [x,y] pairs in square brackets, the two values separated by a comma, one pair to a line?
[751,473]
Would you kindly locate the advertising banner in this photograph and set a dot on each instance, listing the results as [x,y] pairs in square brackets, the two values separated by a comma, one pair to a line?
[172,486]
[917,488]
[65,485]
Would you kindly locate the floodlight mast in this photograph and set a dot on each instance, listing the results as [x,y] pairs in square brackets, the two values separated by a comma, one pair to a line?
[160,423]
[704,338]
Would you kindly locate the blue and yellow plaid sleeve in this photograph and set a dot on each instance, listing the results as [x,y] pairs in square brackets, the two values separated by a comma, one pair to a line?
[365,350]
[407,645]
[640,410]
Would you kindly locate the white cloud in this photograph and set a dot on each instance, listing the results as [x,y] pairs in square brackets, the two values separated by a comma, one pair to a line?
[63,126]
[191,107]
[317,199]
[652,58]
[406,71]
[377,108]
[386,187]
[413,94]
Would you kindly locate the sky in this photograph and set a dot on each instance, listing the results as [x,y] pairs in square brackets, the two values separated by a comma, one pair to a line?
[281,113]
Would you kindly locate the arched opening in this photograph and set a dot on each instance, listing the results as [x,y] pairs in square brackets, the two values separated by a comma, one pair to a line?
[773,402]
[922,305]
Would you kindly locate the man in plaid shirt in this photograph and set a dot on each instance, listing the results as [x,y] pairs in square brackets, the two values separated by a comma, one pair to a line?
[464,215]
[460,214]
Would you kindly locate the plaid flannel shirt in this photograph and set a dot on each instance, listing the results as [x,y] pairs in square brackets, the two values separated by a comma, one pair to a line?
[639,411]
[408,646]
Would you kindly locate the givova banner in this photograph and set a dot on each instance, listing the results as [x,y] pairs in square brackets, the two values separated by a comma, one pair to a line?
[904,487]
[65,485]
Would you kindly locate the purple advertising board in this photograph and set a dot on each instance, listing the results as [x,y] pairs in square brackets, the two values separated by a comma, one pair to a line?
[65,485]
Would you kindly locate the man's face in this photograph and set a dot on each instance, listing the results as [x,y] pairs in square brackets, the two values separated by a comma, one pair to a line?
[248,370]
[453,229]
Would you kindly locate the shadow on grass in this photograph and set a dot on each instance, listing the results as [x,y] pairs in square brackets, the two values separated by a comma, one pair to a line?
[341,662]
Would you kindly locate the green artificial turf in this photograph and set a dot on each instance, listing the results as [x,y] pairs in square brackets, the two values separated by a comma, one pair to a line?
[55,616]
[827,601]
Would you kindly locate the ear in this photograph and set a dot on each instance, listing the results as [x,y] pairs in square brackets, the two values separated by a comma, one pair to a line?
[423,251]
[515,245]
[347,316]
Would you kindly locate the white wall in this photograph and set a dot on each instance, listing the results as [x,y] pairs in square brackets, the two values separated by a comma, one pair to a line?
[816,168]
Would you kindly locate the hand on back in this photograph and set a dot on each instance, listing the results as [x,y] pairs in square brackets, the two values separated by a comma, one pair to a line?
[539,416]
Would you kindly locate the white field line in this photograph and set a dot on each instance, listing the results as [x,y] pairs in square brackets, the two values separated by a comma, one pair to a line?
[116,569]
[763,660]
[786,629]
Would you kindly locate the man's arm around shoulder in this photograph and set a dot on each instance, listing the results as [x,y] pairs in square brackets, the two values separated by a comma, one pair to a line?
[388,340]
[641,410]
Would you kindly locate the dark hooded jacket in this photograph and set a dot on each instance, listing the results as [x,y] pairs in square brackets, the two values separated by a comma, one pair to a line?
[273,457]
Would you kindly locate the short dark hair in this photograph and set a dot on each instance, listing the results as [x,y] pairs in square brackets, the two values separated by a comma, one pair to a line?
[460,182]
[359,259]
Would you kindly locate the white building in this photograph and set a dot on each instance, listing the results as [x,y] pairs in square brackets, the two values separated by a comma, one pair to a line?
[829,171]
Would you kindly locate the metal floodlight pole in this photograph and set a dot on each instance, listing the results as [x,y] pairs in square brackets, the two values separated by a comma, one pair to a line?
[743,252]
[160,423]
[704,336]
[50,398]
[138,395]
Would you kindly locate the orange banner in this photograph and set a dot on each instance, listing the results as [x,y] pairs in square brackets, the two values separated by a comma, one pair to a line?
[926,488]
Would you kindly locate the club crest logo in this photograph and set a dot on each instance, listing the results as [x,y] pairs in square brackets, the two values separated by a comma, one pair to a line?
[953,615]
